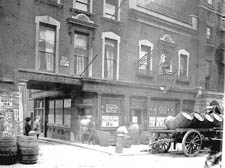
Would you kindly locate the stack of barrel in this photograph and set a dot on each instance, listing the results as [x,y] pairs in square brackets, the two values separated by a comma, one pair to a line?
[8,150]
[193,120]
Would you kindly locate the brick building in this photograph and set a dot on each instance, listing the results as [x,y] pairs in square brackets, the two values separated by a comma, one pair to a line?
[120,61]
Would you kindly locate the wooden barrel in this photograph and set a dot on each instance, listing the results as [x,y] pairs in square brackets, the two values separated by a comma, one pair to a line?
[8,150]
[103,138]
[183,120]
[208,121]
[197,120]
[169,122]
[28,149]
[218,120]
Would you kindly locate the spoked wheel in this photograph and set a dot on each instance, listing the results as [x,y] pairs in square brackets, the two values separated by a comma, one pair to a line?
[165,146]
[160,146]
[191,143]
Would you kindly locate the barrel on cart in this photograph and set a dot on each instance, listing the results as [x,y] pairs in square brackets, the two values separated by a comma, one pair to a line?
[28,149]
[8,150]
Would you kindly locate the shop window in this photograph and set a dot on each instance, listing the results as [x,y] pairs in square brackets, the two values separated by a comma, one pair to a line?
[183,66]
[80,52]
[47,35]
[39,110]
[145,57]
[110,62]
[111,9]
[84,5]
[60,112]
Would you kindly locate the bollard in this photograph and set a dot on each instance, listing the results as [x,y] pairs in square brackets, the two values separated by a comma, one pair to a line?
[119,143]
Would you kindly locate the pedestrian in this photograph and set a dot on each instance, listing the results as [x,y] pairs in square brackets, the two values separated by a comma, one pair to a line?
[84,129]
[27,127]
[37,126]
[92,131]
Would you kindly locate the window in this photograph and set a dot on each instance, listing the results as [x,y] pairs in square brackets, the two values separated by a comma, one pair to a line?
[210,2]
[111,9]
[46,50]
[183,63]
[208,32]
[60,112]
[39,108]
[80,52]
[145,59]
[84,5]
[110,58]
[110,55]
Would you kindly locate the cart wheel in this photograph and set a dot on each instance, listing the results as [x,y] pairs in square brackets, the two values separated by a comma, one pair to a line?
[191,143]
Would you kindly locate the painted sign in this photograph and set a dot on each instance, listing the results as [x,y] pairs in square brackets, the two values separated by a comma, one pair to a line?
[152,121]
[110,121]
[64,61]
[160,122]
[10,113]
[111,108]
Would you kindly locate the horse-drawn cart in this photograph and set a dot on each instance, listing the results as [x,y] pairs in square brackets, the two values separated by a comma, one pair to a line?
[193,140]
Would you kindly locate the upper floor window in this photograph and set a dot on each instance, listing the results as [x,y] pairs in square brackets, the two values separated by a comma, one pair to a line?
[80,52]
[210,2]
[84,5]
[208,32]
[47,35]
[46,49]
[183,66]
[110,60]
[145,58]
[111,9]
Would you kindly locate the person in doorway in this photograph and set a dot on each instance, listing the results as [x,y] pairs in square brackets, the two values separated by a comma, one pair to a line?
[92,131]
[37,126]
[84,128]
[27,127]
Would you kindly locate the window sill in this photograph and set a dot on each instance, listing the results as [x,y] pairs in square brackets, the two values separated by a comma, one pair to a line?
[78,11]
[51,2]
[145,74]
[183,79]
[210,45]
[105,19]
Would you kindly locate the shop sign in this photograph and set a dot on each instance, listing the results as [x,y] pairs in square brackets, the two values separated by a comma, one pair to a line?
[160,121]
[111,108]
[151,121]
[64,61]
[110,121]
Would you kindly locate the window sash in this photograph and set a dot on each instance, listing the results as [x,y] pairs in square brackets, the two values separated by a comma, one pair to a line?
[183,65]
[46,48]
[111,10]
[110,58]
[83,5]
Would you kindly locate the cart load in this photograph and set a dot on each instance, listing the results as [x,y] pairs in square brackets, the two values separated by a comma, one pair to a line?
[193,120]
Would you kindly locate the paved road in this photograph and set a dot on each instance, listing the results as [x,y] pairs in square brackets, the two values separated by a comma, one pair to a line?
[54,155]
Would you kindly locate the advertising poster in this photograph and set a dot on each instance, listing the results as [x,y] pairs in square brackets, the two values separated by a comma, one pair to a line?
[110,121]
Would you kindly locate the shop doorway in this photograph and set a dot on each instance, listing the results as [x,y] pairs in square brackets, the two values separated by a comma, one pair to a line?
[39,110]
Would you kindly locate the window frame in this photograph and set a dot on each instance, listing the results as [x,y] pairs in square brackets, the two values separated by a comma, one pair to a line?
[113,36]
[89,6]
[208,36]
[117,10]
[187,54]
[149,44]
[48,21]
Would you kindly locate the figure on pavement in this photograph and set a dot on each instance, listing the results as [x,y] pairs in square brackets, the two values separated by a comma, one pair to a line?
[27,127]
[92,131]
[37,126]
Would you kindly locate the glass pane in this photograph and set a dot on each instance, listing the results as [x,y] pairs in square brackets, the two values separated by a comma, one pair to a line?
[183,65]
[58,112]
[47,61]
[47,39]
[110,9]
[67,112]
[51,112]
[82,5]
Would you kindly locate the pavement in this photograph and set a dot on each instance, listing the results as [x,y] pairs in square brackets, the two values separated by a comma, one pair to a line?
[111,150]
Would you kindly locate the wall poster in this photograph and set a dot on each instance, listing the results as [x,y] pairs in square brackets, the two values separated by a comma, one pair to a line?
[110,121]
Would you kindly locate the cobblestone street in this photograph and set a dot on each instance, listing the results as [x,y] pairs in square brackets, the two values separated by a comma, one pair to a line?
[55,155]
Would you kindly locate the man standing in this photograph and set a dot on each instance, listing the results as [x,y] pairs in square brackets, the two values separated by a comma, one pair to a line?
[92,131]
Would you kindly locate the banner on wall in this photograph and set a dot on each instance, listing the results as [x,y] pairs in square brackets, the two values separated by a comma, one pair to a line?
[110,121]
[11,120]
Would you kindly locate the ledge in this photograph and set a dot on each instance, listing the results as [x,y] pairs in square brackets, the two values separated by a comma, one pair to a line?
[82,23]
[185,80]
[145,75]
[78,11]
[105,19]
[51,2]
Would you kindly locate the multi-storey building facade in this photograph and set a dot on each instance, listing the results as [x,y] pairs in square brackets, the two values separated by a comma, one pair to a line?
[120,61]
